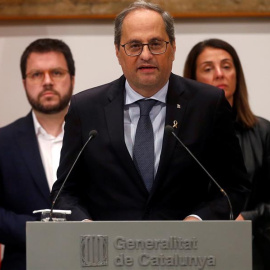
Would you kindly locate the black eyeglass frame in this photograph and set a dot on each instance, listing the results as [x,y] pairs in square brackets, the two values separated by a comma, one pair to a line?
[144,44]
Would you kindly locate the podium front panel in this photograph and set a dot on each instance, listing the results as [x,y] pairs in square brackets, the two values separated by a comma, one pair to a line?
[140,245]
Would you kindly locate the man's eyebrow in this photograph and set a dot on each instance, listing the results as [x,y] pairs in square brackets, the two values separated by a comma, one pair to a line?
[156,38]
[134,41]
[139,41]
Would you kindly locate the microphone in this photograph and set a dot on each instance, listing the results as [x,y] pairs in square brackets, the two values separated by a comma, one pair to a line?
[92,134]
[170,129]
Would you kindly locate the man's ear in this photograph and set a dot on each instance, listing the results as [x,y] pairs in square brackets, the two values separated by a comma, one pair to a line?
[24,84]
[173,50]
[73,81]
[117,52]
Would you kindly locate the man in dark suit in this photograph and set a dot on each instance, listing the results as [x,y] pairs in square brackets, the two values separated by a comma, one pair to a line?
[30,146]
[111,180]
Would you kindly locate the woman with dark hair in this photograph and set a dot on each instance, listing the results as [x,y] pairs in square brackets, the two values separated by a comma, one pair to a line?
[216,62]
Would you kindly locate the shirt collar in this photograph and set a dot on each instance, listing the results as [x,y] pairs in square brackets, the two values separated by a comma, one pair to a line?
[132,96]
[39,130]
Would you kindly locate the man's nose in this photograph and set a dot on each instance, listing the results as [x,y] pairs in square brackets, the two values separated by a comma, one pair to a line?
[146,53]
[47,78]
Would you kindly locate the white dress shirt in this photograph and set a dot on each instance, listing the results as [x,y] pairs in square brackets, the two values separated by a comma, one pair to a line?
[157,116]
[49,148]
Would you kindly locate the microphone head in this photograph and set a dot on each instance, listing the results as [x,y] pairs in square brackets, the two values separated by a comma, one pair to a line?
[93,133]
[169,128]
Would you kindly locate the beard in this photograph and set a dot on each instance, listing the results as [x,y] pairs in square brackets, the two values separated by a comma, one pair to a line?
[41,107]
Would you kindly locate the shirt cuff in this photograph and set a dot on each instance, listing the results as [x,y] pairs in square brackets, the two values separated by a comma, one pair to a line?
[195,217]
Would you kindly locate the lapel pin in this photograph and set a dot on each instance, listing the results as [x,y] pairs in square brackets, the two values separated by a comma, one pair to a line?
[178,106]
[175,123]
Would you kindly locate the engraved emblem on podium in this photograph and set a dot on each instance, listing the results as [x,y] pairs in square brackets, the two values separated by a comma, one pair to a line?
[94,250]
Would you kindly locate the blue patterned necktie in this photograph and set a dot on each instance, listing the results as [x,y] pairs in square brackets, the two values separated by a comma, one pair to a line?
[143,152]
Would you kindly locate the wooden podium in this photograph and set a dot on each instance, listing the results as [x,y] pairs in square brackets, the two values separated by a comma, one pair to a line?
[155,245]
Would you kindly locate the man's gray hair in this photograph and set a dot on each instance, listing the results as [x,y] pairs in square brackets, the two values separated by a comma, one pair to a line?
[141,4]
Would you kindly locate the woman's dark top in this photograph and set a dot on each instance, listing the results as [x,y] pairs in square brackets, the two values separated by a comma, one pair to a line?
[255,144]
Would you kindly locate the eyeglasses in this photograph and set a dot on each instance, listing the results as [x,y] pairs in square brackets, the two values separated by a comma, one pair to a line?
[155,47]
[37,76]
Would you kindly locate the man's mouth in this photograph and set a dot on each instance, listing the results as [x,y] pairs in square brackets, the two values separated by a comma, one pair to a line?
[147,68]
[48,93]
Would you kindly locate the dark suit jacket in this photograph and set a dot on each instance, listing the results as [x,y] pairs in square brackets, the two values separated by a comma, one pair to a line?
[23,188]
[105,184]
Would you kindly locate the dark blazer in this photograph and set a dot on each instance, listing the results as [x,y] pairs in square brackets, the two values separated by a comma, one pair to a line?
[105,184]
[255,145]
[23,188]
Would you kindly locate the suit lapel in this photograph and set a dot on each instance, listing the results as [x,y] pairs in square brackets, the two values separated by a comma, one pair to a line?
[176,105]
[114,112]
[28,147]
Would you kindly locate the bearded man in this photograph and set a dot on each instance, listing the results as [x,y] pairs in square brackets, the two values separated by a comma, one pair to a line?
[30,146]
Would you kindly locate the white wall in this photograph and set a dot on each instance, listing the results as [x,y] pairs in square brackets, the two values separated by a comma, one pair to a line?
[92,45]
